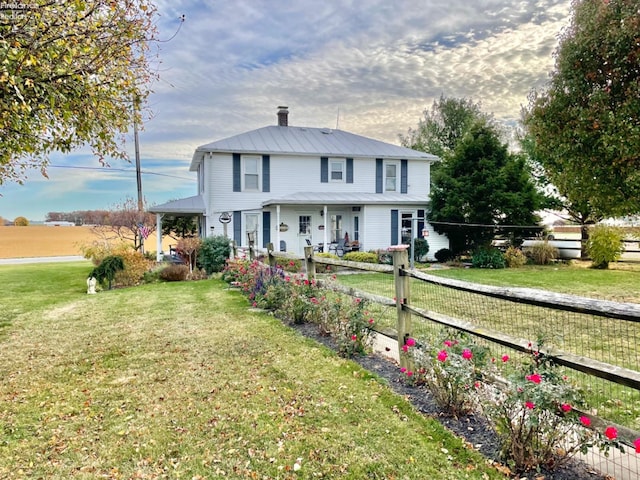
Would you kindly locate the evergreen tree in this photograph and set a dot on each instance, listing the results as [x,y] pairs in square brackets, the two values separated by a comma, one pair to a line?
[480,190]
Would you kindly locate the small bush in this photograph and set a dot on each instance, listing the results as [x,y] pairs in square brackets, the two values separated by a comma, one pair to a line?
[488,258]
[515,257]
[444,255]
[292,266]
[385,257]
[135,266]
[542,253]
[174,273]
[365,257]
[322,268]
[421,247]
[214,252]
[604,245]
[108,269]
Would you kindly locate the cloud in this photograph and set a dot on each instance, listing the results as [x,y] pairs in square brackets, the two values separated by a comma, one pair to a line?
[369,66]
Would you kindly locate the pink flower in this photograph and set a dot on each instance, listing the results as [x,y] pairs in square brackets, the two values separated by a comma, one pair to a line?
[611,433]
[442,355]
[411,342]
[403,369]
[409,373]
[586,421]
[505,358]
[529,405]
[357,300]
[405,348]
[467,354]
[535,378]
[254,304]
[637,445]
[565,407]
[354,337]
[371,321]
[448,343]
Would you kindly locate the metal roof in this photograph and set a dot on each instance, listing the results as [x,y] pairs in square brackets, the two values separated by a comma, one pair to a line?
[189,205]
[308,141]
[332,198]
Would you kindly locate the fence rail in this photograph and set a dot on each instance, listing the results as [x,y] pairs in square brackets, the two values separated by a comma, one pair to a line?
[598,340]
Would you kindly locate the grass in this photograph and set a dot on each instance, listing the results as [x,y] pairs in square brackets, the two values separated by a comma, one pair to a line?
[619,283]
[607,340]
[180,380]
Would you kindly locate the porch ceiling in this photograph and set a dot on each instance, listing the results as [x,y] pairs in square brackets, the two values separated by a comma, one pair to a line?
[332,198]
[184,206]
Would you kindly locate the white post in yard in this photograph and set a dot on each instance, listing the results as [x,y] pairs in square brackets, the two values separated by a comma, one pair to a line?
[159,253]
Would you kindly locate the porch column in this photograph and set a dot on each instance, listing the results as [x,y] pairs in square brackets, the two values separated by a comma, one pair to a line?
[324,230]
[277,244]
[159,253]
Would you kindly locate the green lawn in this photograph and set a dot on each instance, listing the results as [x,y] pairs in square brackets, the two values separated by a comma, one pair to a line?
[181,380]
[608,340]
[621,283]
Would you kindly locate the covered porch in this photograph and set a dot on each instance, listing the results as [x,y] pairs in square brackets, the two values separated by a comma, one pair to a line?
[337,222]
[185,207]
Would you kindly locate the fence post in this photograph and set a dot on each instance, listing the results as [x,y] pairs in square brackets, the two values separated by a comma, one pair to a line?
[270,258]
[310,263]
[400,262]
[233,249]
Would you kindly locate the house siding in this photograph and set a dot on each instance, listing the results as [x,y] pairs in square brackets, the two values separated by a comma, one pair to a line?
[286,174]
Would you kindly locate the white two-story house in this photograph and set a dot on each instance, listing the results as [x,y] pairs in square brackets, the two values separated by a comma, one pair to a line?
[295,186]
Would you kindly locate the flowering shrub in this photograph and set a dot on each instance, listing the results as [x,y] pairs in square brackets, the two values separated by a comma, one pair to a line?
[450,368]
[536,418]
[299,300]
[354,328]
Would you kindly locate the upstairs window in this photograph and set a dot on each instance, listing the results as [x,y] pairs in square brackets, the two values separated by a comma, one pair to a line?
[251,173]
[337,171]
[391,177]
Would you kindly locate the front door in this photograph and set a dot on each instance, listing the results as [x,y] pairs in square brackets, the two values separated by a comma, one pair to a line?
[304,232]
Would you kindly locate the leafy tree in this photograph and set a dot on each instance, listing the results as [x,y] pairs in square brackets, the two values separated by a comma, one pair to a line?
[188,248]
[69,74]
[586,124]
[178,227]
[126,222]
[481,185]
[577,209]
[444,126]
[21,222]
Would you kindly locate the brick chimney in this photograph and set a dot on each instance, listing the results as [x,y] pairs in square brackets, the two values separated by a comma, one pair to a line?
[283,116]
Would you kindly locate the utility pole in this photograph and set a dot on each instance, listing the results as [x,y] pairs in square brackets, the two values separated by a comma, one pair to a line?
[137,150]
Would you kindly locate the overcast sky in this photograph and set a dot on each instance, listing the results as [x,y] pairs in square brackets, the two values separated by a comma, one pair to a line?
[370,67]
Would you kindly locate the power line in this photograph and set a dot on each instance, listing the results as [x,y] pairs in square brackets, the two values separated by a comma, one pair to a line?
[112,169]
[454,224]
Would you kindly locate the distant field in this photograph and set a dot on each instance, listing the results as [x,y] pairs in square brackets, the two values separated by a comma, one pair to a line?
[45,241]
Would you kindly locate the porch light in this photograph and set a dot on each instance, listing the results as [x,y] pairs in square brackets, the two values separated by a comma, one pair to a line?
[283,227]
[425,232]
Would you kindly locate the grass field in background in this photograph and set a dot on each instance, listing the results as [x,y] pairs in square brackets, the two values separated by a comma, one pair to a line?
[46,241]
[181,380]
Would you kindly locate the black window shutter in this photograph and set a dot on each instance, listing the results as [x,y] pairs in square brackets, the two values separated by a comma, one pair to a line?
[394,227]
[420,223]
[378,175]
[266,228]
[237,227]
[237,184]
[349,170]
[266,173]
[404,176]
[324,169]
